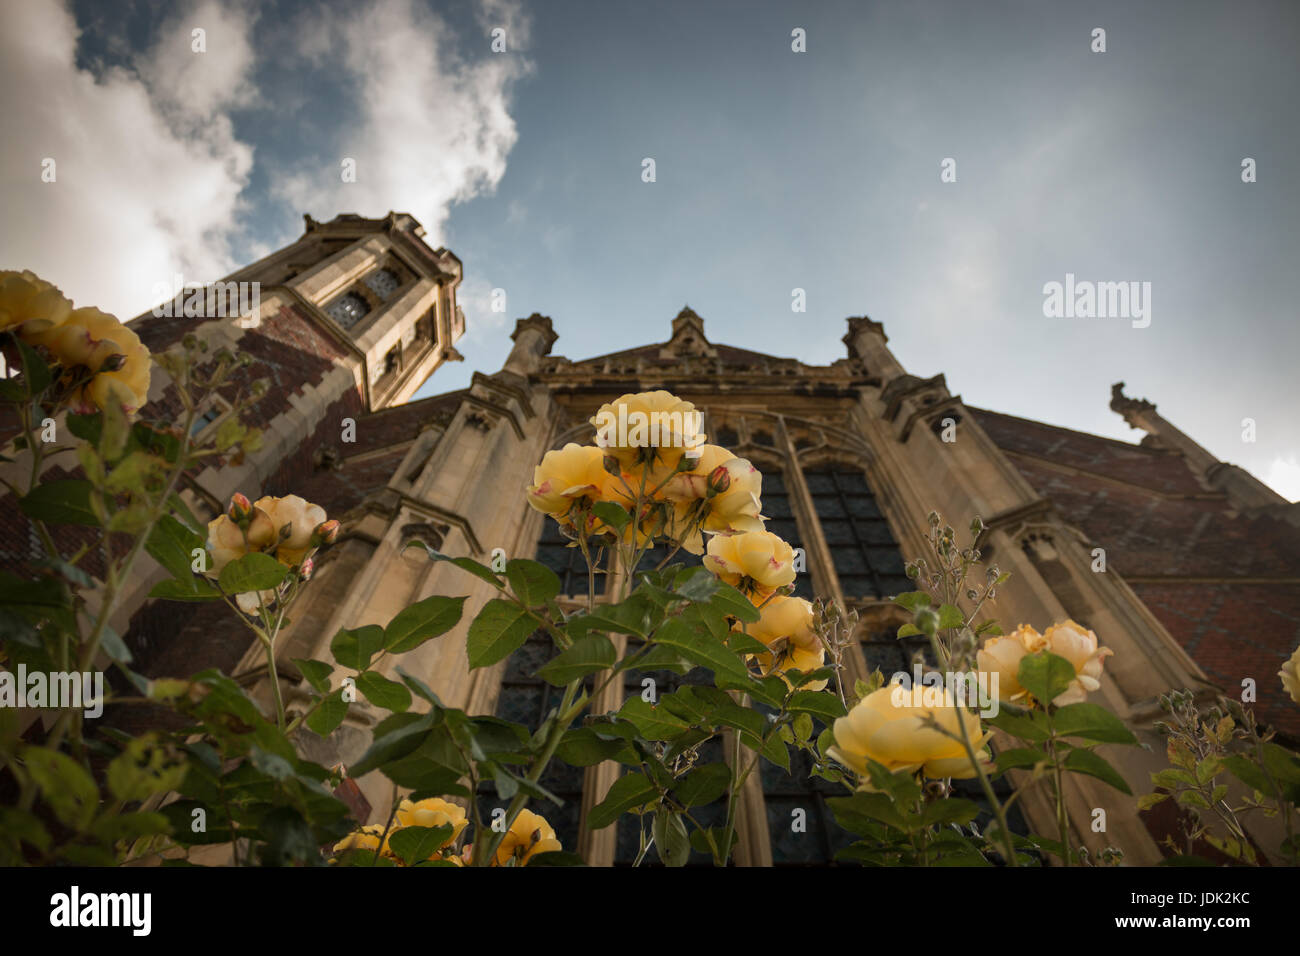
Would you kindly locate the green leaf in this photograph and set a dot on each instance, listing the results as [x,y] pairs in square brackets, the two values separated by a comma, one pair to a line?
[587,655]
[1091,723]
[316,673]
[909,630]
[950,617]
[143,770]
[732,603]
[475,568]
[432,617]
[355,648]
[950,810]
[701,648]
[499,630]
[1031,726]
[583,747]
[1017,758]
[1085,761]
[611,514]
[414,844]
[821,704]
[1045,675]
[175,589]
[252,572]
[325,719]
[172,545]
[383,692]
[913,600]
[629,791]
[655,723]
[860,812]
[671,840]
[66,786]
[534,584]
[703,785]
[36,373]
[65,501]
[395,743]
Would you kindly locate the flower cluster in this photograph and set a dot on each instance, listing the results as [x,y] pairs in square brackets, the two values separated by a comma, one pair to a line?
[288,528]
[1077,644]
[651,458]
[528,836]
[102,360]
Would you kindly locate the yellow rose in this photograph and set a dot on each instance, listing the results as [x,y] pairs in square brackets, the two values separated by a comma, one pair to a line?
[719,494]
[648,428]
[294,520]
[1002,656]
[889,726]
[29,301]
[566,475]
[433,812]
[756,562]
[88,338]
[529,835]
[367,838]
[285,527]
[1078,645]
[785,624]
[1290,674]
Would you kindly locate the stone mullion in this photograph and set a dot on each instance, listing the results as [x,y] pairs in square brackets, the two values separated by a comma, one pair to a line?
[816,550]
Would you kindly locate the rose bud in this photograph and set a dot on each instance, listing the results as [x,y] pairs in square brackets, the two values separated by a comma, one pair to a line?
[308,566]
[240,510]
[719,480]
[611,465]
[327,532]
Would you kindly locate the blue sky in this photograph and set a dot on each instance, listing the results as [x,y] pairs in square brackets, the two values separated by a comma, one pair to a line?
[775,170]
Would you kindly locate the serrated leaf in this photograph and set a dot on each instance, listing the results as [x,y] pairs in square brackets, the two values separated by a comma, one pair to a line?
[423,620]
[355,648]
[629,791]
[324,720]
[702,785]
[383,692]
[1087,762]
[1091,722]
[316,673]
[65,501]
[252,572]
[533,583]
[587,655]
[500,629]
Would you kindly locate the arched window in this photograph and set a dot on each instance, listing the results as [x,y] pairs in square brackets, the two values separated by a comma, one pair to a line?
[348,309]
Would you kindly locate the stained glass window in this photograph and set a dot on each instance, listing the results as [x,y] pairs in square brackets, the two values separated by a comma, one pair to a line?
[553,551]
[862,546]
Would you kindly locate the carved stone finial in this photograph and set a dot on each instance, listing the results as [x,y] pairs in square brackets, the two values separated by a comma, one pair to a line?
[688,338]
[1121,403]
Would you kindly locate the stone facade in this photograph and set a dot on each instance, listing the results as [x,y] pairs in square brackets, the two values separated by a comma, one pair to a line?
[1201,585]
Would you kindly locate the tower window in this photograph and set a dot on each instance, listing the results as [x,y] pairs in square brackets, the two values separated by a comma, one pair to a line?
[393,360]
[348,309]
[383,283]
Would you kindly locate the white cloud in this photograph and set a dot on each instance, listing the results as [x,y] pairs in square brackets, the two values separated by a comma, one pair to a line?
[1283,476]
[434,128]
[148,170]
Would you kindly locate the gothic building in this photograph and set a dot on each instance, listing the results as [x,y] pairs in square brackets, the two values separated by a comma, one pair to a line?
[1201,579]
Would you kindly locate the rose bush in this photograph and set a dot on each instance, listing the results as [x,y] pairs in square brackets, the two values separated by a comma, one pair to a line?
[775,681]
